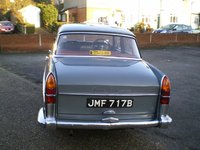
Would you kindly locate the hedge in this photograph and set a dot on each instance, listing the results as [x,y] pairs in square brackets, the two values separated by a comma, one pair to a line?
[26,28]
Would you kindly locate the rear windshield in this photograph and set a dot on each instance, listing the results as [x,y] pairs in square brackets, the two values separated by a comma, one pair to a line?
[97,45]
[169,26]
[6,23]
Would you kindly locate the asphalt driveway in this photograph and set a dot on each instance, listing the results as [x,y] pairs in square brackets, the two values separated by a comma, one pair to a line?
[20,97]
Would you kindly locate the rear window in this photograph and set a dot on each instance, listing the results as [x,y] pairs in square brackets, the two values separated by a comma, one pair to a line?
[97,45]
[6,24]
[169,26]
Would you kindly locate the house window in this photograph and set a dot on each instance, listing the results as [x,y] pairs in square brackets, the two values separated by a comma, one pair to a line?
[63,17]
[146,19]
[103,20]
[173,19]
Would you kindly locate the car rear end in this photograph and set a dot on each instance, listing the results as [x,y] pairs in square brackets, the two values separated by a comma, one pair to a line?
[95,88]
[90,106]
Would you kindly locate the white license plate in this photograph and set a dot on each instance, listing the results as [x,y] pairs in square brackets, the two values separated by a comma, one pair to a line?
[109,103]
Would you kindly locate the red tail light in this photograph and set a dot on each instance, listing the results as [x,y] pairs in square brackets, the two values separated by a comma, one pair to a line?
[165,91]
[50,89]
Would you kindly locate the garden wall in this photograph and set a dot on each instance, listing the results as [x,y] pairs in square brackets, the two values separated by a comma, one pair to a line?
[162,40]
[44,42]
[26,43]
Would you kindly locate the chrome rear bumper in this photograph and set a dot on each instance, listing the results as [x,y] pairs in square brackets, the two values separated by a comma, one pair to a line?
[52,123]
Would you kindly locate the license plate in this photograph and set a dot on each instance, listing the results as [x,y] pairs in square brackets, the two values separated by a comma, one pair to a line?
[109,103]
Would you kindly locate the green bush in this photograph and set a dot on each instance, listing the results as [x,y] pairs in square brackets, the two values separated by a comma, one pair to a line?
[5,16]
[55,26]
[18,28]
[141,28]
[30,28]
[49,15]
[26,28]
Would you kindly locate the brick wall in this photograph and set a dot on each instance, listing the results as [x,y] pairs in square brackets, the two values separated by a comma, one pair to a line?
[81,14]
[26,43]
[44,42]
[160,40]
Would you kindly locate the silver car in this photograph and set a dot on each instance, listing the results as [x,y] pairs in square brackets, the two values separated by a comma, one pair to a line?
[95,78]
[174,28]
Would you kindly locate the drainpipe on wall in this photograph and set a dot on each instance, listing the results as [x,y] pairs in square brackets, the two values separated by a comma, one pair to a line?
[199,22]
[158,21]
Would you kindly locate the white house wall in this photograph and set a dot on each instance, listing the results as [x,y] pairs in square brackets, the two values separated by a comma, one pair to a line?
[31,14]
[195,13]
[135,11]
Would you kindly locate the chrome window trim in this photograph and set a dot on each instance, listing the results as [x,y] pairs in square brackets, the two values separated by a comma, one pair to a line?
[95,33]
[111,94]
[99,33]
[108,57]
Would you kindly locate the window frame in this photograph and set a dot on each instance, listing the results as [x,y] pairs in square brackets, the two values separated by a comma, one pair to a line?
[137,56]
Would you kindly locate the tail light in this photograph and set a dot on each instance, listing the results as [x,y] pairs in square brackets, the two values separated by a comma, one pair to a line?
[51,89]
[165,91]
[164,119]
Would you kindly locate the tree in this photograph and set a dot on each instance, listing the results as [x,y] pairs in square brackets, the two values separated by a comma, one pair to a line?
[4,4]
[44,1]
[17,5]
[49,14]
[4,9]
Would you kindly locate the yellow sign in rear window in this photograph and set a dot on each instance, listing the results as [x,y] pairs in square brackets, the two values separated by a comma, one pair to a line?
[100,52]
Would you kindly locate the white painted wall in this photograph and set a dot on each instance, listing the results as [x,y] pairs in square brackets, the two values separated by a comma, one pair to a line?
[31,14]
[135,10]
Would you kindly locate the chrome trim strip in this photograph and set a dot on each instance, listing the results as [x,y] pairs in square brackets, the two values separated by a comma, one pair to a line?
[165,120]
[70,56]
[41,119]
[103,125]
[109,112]
[164,109]
[110,119]
[98,33]
[165,96]
[51,95]
[103,94]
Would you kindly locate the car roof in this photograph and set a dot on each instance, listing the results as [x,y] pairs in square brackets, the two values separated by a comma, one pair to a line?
[93,28]
[5,21]
[178,24]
